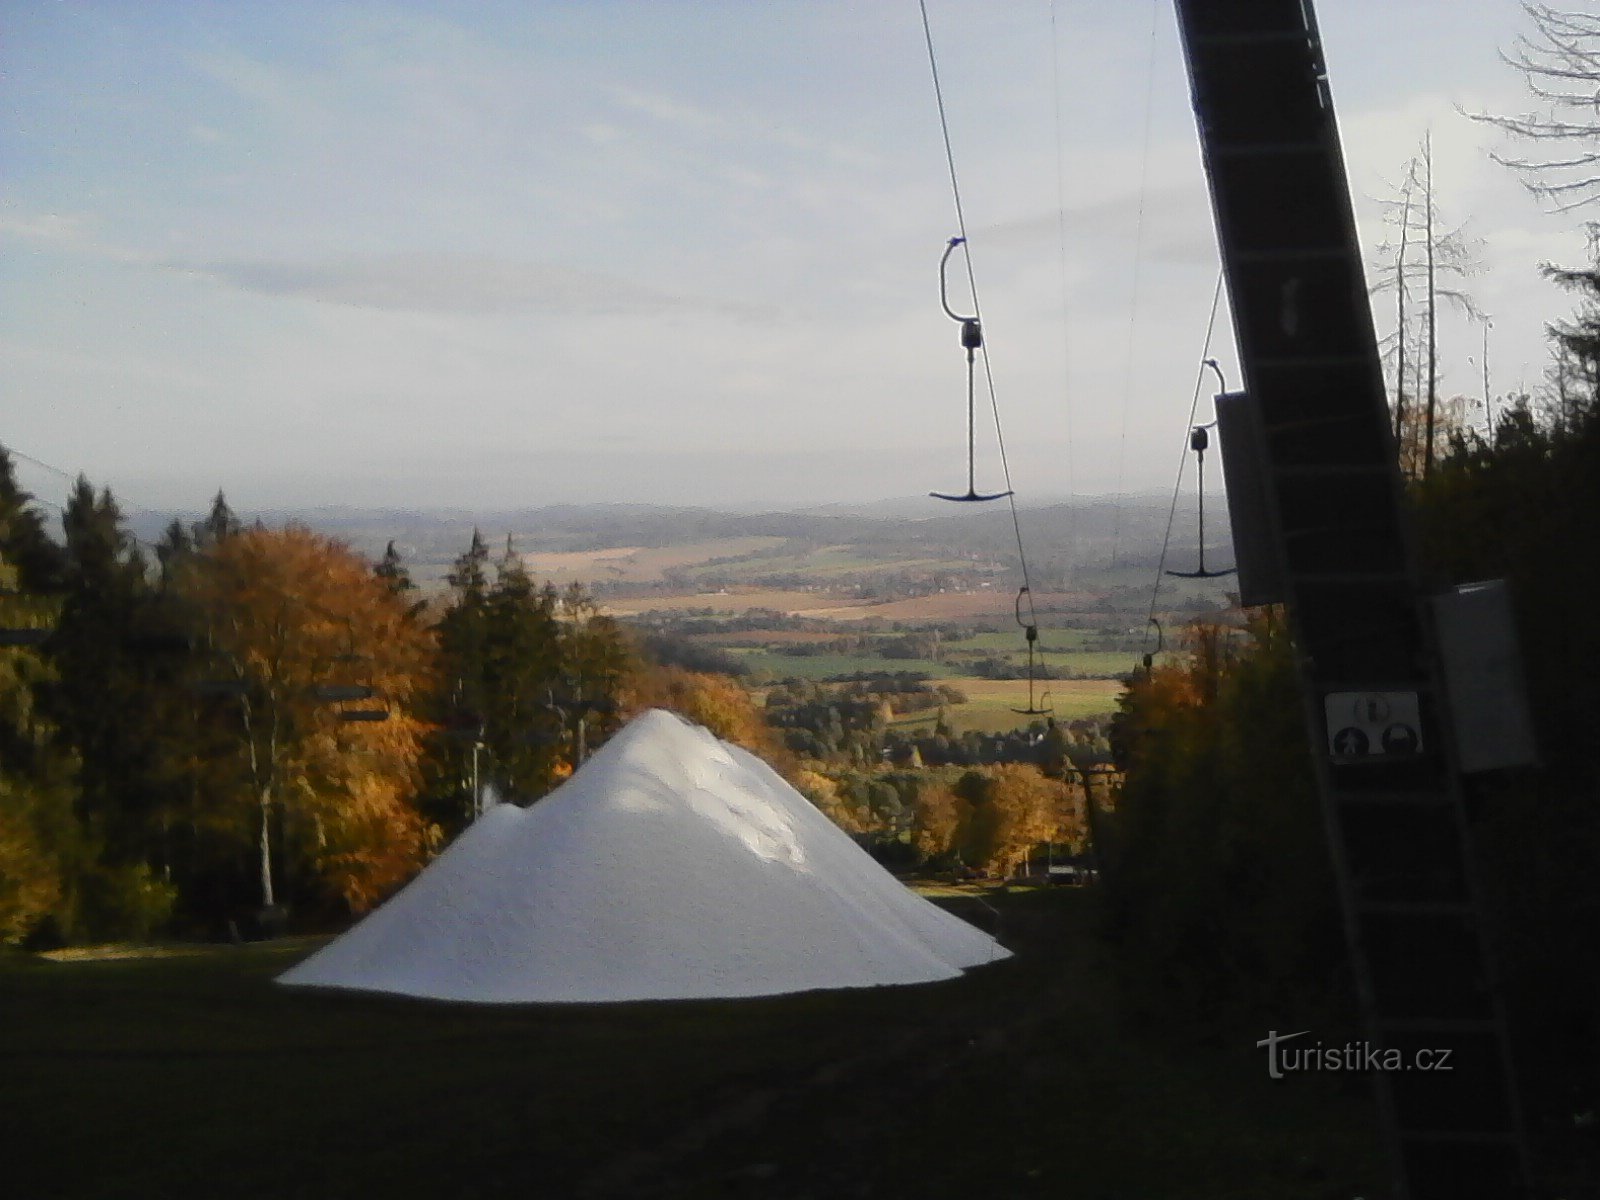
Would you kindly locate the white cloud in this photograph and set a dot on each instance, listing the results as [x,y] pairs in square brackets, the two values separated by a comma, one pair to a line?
[59,228]
[456,283]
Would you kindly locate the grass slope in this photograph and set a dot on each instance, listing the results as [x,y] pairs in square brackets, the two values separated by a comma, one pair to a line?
[196,1076]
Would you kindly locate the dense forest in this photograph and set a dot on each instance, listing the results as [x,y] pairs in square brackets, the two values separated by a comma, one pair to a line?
[1219,889]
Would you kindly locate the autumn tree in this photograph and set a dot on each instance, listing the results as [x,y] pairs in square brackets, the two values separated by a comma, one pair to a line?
[939,816]
[718,702]
[1219,887]
[80,764]
[1010,809]
[824,792]
[308,645]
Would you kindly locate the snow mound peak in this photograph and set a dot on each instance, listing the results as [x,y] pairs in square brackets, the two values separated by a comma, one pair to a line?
[670,866]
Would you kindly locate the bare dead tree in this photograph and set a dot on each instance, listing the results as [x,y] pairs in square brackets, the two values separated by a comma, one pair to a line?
[1560,65]
[1423,254]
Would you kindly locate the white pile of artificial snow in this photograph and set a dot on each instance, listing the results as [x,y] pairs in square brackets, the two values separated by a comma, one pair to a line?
[671,866]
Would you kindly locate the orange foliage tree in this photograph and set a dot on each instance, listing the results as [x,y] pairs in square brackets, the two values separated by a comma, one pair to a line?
[938,816]
[297,631]
[1010,809]
[718,702]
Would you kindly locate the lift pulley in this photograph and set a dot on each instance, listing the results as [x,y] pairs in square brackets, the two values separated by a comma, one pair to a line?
[1042,708]
[971,341]
[1161,645]
[1199,442]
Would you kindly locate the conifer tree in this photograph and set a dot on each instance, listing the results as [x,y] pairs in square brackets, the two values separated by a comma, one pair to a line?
[175,544]
[43,851]
[103,699]
[99,697]
[219,525]
[36,559]
[392,570]
[525,691]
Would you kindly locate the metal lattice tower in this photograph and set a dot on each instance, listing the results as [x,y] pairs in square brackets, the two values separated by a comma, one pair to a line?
[1387,765]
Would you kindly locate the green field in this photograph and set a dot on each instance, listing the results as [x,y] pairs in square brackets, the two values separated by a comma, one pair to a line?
[829,666]
[196,1076]
[827,562]
[991,703]
[1009,641]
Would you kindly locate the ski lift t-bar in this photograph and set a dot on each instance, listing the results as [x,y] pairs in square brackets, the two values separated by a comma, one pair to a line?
[971,341]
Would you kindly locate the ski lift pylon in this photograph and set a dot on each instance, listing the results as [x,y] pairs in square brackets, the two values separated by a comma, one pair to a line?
[971,341]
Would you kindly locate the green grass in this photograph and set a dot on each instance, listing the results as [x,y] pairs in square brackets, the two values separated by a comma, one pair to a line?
[1092,664]
[196,1076]
[827,666]
[991,703]
[1009,641]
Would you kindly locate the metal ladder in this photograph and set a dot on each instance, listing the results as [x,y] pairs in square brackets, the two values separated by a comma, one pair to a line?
[1387,767]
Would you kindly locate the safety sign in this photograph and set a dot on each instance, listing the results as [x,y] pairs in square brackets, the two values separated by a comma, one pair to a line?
[1369,724]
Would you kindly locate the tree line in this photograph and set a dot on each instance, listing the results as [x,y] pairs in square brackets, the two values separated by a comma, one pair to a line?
[238,726]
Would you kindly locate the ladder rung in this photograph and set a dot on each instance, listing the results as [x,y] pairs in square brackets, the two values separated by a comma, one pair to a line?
[1252,38]
[1314,577]
[1332,530]
[1320,421]
[1464,1136]
[1325,471]
[1294,254]
[1431,796]
[1442,1025]
[1414,908]
[1268,149]
[1313,362]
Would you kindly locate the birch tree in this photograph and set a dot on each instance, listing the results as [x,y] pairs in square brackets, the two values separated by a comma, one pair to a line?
[297,629]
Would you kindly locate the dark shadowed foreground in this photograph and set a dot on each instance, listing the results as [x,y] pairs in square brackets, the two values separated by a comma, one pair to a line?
[193,1075]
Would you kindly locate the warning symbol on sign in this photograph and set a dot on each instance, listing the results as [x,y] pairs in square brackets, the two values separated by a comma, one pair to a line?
[1400,739]
[1373,709]
[1368,725]
[1350,742]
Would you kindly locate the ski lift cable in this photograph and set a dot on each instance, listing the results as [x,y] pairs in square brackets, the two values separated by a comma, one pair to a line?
[977,308]
[309,605]
[1183,458]
[1138,275]
[1061,246]
[40,463]
[122,500]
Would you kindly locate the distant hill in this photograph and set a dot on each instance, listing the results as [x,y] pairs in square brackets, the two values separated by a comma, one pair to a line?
[1088,536]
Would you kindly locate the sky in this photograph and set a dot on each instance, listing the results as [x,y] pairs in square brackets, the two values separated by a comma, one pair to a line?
[494,256]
